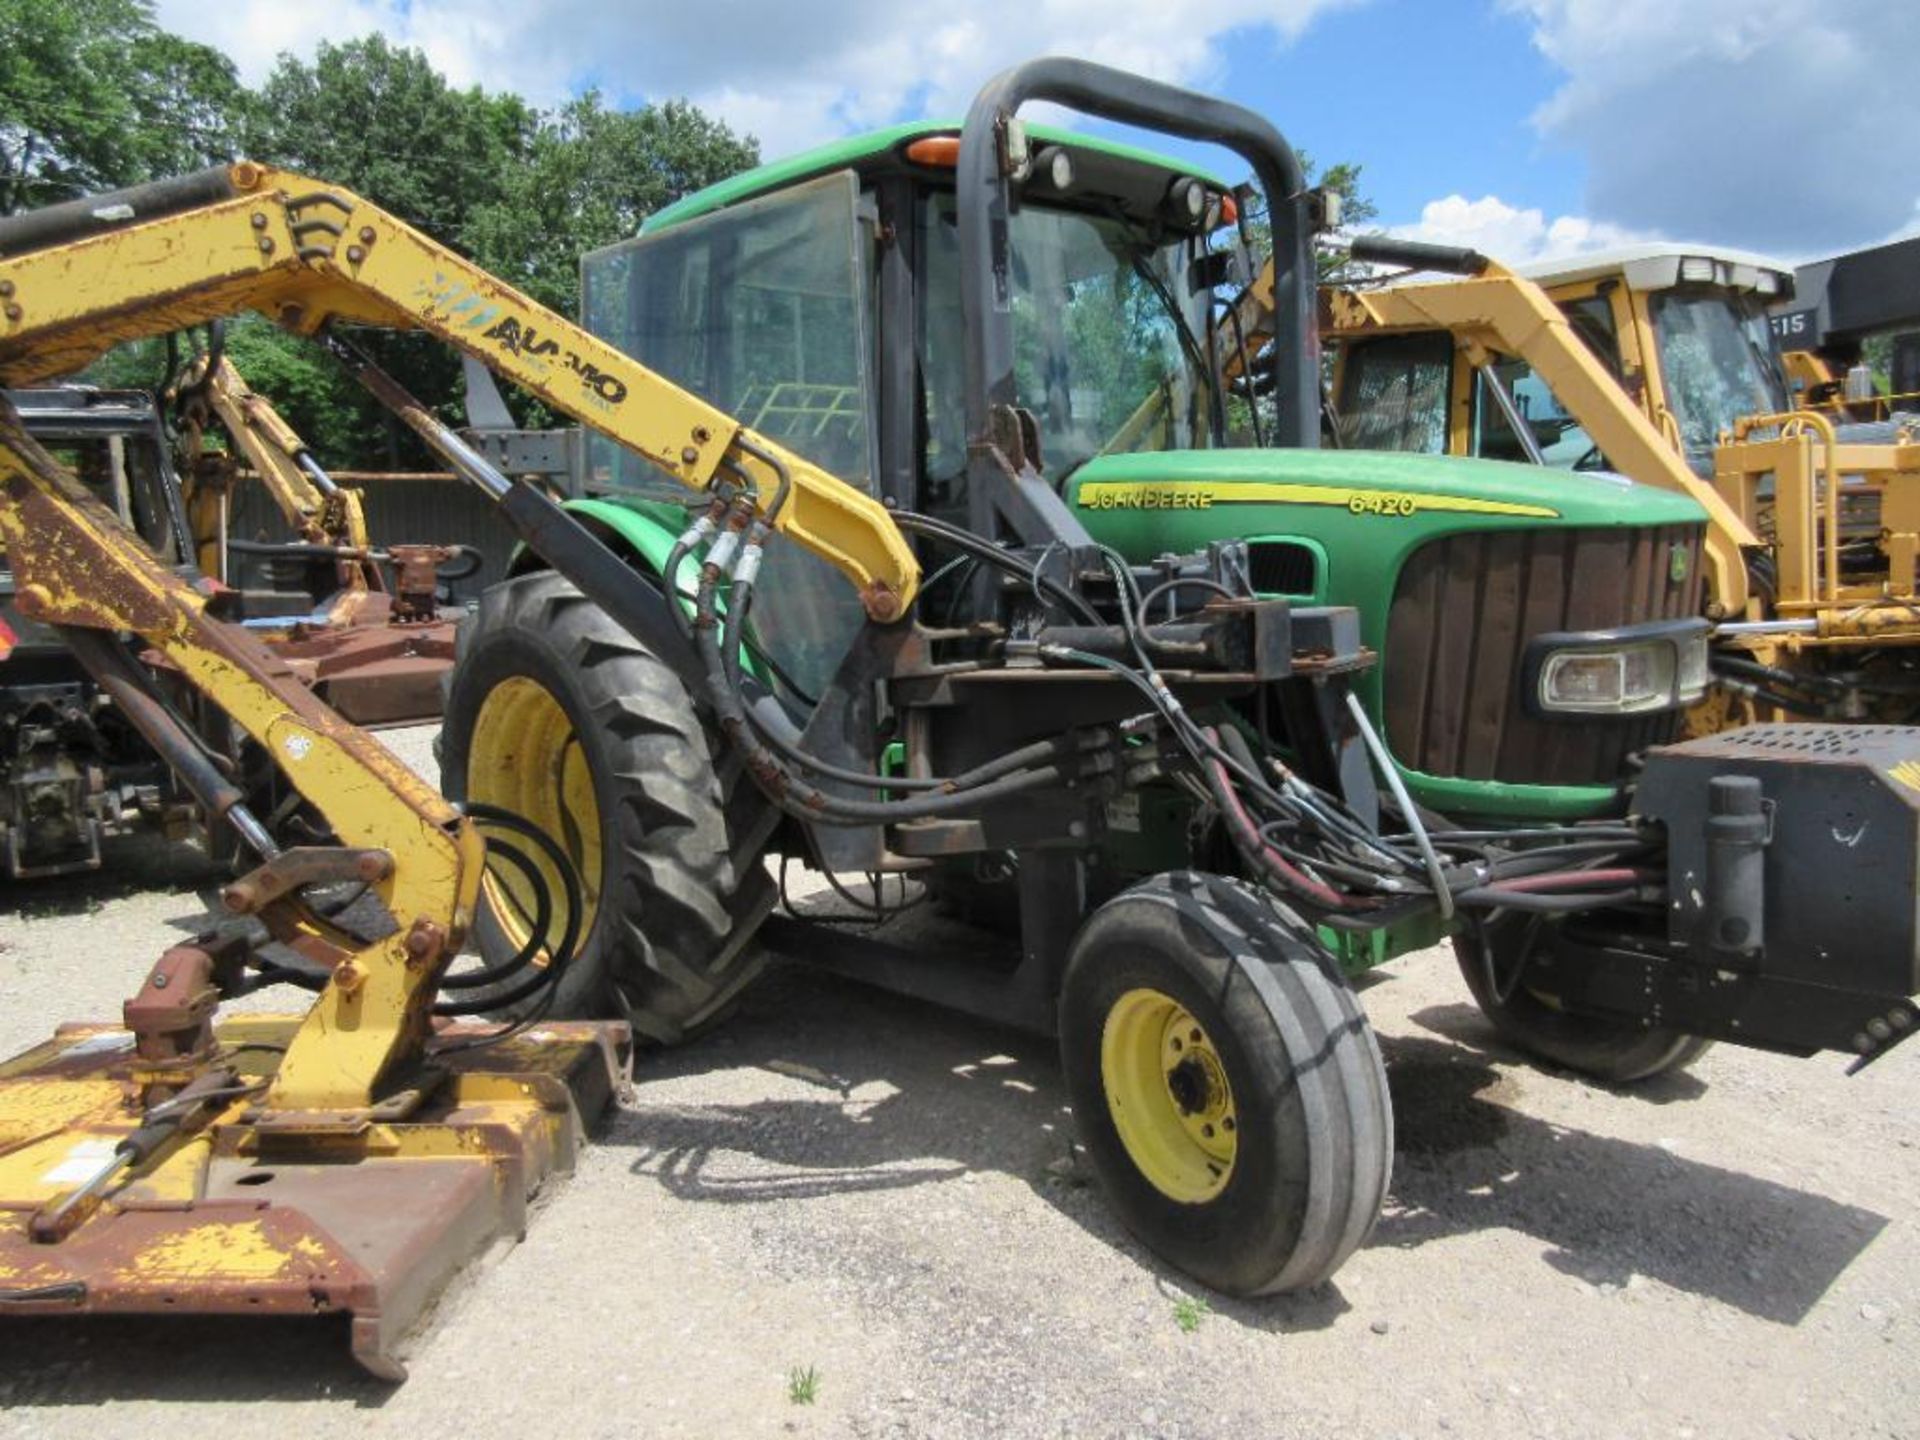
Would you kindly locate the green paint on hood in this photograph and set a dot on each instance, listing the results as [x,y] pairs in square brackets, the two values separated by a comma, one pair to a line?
[1528,494]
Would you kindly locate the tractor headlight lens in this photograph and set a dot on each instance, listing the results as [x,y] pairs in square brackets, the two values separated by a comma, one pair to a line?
[1630,671]
[1608,682]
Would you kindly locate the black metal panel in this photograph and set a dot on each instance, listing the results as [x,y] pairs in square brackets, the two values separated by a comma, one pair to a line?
[1841,908]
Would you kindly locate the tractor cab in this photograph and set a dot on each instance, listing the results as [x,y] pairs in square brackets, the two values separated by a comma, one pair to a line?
[823,300]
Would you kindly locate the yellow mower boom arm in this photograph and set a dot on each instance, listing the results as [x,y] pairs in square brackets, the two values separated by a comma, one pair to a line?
[309,255]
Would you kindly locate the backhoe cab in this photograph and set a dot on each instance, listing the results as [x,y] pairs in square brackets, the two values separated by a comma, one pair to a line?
[1657,363]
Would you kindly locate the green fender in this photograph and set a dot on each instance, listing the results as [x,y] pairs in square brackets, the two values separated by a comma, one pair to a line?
[644,532]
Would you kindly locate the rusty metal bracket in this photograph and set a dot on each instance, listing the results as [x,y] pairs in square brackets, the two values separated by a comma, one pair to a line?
[304,865]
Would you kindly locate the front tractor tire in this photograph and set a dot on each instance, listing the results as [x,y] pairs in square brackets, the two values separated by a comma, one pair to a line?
[556,713]
[1228,1089]
[1518,1001]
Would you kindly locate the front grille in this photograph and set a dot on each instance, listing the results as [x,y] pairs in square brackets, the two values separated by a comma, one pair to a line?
[1282,567]
[1463,611]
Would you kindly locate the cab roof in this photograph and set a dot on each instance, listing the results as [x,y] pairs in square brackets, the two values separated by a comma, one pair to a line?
[1659,266]
[860,150]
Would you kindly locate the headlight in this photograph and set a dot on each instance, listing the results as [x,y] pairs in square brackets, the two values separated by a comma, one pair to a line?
[1630,671]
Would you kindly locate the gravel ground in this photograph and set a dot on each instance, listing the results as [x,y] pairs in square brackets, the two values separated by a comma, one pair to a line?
[886,1193]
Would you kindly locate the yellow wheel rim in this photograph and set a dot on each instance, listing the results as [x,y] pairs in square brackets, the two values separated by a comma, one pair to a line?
[525,757]
[1168,1093]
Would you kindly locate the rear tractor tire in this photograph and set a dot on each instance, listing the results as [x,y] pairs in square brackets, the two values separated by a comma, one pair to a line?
[556,713]
[1227,1086]
[1526,1014]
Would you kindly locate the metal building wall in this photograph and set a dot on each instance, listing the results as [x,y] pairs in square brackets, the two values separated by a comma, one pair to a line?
[440,512]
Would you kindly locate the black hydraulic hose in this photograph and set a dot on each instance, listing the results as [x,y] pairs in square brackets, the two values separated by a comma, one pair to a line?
[472,556]
[800,798]
[1545,903]
[1755,670]
[1183,582]
[559,956]
[1550,858]
[1059,747]
[915,523]
[300,550]
[536,933]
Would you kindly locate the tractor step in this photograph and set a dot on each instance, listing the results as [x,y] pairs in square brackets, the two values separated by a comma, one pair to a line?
[234,1218]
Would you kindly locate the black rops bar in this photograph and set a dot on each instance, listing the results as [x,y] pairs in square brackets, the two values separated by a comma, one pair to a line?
[1131,100]
[93,214]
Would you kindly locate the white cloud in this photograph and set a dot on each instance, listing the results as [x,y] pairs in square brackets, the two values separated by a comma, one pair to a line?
[792,74]
[1774,124]
[1509,233]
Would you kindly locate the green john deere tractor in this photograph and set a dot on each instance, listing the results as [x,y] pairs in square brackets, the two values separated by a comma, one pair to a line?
[1208,719]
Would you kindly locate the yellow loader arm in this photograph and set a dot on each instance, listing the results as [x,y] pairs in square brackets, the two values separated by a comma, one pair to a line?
[307,255]
[78,279]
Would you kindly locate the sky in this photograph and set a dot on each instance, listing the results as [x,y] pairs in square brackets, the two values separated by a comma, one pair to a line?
[1526,128]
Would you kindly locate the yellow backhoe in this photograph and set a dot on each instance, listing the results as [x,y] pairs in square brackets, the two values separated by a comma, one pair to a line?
[1654,363]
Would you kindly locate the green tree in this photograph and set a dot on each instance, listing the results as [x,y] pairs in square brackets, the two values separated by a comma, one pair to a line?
[589,176]
[379,119]
[94,95]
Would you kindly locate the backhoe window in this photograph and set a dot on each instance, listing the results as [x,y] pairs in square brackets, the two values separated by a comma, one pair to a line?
[1393,395]
[1099,357]
[1561,440]
[1717,364]
[762,309]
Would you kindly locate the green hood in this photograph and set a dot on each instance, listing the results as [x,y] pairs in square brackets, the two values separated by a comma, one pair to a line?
[1358,516]
[1373,485]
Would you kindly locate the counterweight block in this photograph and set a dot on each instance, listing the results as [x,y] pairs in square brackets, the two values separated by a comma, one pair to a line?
[1793,921]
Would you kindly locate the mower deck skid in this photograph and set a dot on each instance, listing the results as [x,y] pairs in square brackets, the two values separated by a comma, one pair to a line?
[233,1218]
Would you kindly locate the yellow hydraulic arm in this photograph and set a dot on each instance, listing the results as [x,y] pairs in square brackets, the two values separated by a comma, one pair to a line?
[308,255]
[318,511]
[76,566]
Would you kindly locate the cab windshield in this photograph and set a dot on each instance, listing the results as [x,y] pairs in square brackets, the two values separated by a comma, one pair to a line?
[1717,361]
[1109,339]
